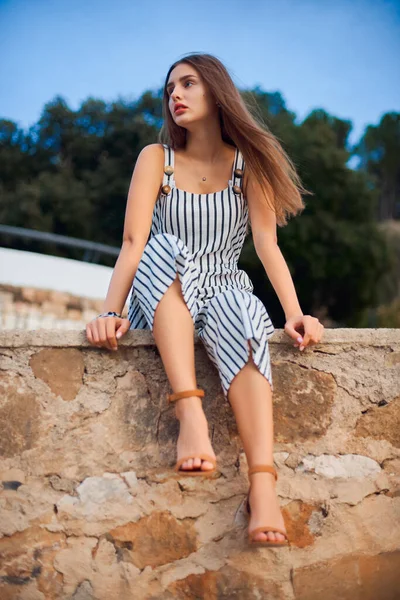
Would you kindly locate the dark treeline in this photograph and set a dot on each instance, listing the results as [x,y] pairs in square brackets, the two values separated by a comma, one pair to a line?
[69,174]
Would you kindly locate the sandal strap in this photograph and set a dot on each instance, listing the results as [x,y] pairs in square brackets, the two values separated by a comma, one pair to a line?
[185,394]
[263,469]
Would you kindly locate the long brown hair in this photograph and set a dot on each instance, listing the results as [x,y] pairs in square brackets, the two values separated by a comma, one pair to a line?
[263,154]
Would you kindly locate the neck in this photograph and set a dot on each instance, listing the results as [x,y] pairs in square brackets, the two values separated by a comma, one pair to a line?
[204,143]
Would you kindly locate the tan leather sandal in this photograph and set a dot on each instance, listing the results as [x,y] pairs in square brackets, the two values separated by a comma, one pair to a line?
[264,528]
[207,457]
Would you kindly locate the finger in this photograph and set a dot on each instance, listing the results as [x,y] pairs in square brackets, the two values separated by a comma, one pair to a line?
[291,332]
[96,335]
[126,325]
[308,336]
[91,338]
[89,335]
[311,336]
[123,327]
[110,329]
[305,341]
[106,340]
[103,332]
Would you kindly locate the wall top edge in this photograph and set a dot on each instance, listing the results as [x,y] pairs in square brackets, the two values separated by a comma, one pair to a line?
[17,338]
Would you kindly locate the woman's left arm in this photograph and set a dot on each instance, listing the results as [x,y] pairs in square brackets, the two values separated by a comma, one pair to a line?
[305,329]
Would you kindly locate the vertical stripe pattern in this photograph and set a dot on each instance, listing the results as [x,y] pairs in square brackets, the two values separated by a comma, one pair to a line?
[199,237]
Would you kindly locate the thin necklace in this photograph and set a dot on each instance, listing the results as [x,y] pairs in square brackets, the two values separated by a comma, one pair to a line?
[204,178]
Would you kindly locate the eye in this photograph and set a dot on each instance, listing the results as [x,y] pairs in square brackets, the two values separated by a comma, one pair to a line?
[169,92]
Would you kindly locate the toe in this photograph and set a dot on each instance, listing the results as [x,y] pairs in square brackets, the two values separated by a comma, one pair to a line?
[196,463]
[259,537]
[280,537]
[207,466]
[271,536]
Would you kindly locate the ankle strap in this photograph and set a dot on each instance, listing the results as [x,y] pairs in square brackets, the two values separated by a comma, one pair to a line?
[185,394]
[263,469]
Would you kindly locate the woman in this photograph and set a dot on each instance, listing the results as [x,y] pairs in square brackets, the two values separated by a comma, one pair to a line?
[187,268]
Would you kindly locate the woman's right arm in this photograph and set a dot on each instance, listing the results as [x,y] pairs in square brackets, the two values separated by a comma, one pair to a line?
[142,195]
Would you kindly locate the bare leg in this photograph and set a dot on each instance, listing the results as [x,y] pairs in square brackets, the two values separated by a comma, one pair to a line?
[173,333]
[250,396]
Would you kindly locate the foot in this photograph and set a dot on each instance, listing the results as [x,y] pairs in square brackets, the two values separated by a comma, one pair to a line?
[193,434]
[265,508]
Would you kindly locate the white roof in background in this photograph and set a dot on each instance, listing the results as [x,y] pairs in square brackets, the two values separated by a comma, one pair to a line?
[30,269]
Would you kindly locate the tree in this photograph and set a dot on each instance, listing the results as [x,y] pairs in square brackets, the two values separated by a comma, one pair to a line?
[335,253]
[379,152]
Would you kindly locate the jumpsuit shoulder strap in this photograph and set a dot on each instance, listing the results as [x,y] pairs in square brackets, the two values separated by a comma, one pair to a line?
[169,165]
[238,170]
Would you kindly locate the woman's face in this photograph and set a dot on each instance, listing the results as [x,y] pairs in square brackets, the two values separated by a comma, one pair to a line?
[185,86]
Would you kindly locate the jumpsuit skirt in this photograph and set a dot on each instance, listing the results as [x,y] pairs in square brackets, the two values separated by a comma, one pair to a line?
[199,237]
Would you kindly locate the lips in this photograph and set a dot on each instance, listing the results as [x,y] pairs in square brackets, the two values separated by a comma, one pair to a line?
[179,107]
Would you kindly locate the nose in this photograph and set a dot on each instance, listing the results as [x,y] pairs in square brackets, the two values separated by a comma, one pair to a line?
[175,95]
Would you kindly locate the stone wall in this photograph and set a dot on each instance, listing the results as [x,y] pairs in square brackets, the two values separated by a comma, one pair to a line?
[90,507]
[29,308]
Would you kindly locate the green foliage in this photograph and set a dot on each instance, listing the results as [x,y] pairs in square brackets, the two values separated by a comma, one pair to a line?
[337,256]
[379,152]
[70,173]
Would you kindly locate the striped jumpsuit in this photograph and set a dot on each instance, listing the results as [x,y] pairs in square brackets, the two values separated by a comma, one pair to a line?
[200,238]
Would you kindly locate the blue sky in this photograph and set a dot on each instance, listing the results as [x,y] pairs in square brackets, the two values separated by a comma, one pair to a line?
[342,56]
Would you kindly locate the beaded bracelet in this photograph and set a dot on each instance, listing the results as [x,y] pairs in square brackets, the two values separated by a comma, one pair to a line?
[110,313]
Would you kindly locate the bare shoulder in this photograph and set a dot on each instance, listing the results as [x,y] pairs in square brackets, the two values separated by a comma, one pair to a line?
[153,153]
[155,149]
[151,160]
